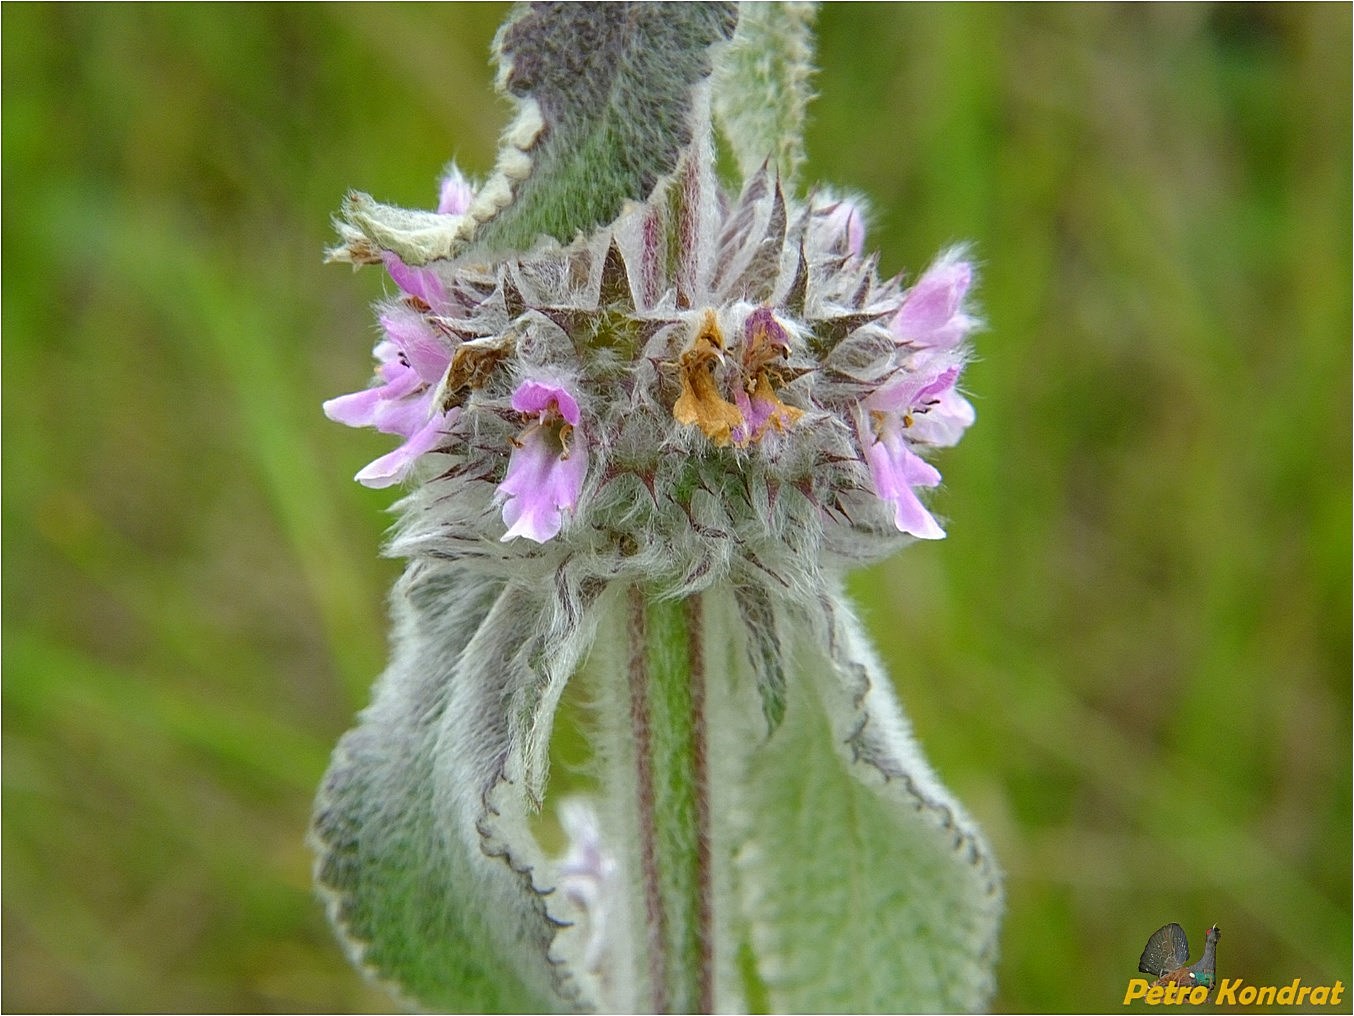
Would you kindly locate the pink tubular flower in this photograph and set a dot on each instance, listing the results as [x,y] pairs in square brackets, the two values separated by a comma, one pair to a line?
[943,423]
[932,315]
[420,283]
[424,284]
[411,361]
[546,471]
[924,408]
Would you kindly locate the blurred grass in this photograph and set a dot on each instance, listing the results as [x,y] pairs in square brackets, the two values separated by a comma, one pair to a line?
[1131,657]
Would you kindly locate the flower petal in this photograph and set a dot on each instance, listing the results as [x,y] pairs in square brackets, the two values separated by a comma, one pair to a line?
[538,396]
[943,424]
[405,417]
[753,419]
[895,470]
[914,388]
[419,282]
[357,409]
[455,194]
[540,484]
[394,466]
[932,311]
[423,349]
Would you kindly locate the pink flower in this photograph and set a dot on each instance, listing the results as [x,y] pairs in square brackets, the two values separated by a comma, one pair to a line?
[423,283]
[932,314]
[943,423]
[923,408]
[411,361]
[546,471]
[842,222]
[455,194]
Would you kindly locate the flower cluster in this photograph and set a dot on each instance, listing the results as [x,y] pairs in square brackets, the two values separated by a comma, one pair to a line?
[642,460]
[631,397]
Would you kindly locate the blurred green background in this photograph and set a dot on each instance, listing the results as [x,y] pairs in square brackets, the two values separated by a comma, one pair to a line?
[1131,657]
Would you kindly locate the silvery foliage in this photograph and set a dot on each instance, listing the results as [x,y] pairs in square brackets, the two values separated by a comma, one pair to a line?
[844,875]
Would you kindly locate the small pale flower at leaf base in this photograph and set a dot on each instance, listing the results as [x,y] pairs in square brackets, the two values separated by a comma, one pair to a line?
[587,874]
[647,420]
[548,464]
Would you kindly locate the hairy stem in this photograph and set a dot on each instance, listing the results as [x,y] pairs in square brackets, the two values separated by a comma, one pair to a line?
[705,912]
[667,687]
[654,912]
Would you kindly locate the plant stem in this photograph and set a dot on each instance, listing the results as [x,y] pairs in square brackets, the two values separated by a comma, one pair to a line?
[667,691]
[705,913]
[654,912]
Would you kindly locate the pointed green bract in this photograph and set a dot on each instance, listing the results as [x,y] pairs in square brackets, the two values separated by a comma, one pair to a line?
[761,86]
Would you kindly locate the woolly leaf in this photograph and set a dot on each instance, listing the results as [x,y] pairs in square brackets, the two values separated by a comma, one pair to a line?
[763,650]
[420,833]
[761,86]
[609,97]
[866,886]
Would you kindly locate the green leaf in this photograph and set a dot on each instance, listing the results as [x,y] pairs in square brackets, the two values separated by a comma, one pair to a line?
[843,876]
[761,86]
[420,829]
[866,886]
[609,97]
[609,103]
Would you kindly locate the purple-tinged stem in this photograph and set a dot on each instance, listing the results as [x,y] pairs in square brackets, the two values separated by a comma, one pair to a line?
[667,692]
[638,667]
[705,915]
